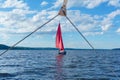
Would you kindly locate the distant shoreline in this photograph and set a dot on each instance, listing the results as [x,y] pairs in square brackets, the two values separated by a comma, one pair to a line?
[4,47]
[116,49]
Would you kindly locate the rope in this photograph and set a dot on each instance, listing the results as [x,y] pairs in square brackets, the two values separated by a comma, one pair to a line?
[80,33]
[47,23]
[28,35]
[88,43]
[92,47]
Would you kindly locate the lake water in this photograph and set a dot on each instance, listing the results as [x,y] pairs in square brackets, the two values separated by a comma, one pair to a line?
[48,65]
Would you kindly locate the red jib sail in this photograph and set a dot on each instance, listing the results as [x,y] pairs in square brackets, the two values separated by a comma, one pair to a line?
[59,41]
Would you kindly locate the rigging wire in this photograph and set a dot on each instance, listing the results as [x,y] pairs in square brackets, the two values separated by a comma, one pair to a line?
[28,35]
[63,10]
[80,33]
[87,41]
[91,46]
[47,23]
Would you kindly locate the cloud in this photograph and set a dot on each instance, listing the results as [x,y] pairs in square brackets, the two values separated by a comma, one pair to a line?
[85,22]
[18,21]
[14,4]
[87,3]
[115,3]
[44,3]
[4,37]
[108,20]
[15,20]
[56,4]
[118,31]
[93,33]
[22,12]
[93,24]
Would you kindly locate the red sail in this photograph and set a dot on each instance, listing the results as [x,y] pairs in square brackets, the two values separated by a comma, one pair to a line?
[59,41]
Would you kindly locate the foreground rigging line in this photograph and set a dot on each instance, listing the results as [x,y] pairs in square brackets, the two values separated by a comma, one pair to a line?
[80,33]
[64,12]
[28,35]
[91,46]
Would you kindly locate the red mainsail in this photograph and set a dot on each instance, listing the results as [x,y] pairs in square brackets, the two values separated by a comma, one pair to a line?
[59,41]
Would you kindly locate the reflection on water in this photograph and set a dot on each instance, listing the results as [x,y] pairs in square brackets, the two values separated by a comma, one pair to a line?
[59,65]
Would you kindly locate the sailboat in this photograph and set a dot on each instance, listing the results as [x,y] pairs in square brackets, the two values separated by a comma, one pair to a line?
[59,41]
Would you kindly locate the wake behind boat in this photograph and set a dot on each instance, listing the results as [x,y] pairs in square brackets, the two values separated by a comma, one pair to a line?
[59,41]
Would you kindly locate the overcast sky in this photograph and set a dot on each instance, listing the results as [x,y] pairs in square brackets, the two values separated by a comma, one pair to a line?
[98,20]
